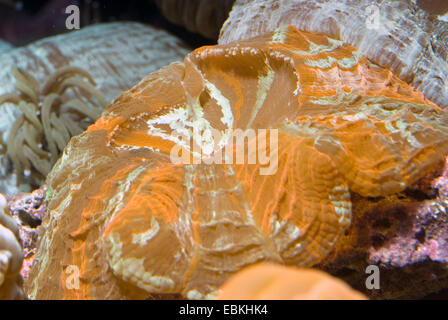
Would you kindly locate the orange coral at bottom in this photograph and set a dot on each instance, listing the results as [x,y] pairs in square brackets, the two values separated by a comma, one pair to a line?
[277,282]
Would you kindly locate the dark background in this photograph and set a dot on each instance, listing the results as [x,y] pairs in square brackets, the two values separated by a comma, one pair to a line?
[24,21]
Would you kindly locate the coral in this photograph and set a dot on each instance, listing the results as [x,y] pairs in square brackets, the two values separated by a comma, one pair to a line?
[134,222]
[277,282]
[435,7]
[46,125]
[201,16]
[11,256]
[116,56]
[406,39]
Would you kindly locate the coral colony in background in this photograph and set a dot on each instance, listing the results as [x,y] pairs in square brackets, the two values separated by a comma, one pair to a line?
[304,151]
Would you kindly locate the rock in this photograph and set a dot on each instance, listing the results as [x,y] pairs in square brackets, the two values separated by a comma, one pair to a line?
[28,210]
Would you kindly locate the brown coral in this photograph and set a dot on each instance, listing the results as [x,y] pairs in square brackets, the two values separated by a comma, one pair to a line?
[276,282]
[202,16]
[436,7]
[133,222]
[4,46]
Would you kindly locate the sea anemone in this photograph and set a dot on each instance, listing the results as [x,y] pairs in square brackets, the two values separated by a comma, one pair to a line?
[46,125]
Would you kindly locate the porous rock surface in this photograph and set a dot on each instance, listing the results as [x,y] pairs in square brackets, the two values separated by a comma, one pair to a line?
[277,282]
[201,16]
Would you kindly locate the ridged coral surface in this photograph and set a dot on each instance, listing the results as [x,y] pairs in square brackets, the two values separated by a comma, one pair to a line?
[133,222]
[116,56]
[405,38]
[11,256]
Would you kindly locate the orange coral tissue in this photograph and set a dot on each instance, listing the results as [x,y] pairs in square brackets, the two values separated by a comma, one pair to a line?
[134,223]
[276,282]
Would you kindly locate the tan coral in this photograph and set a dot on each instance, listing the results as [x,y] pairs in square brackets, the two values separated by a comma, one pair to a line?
[134,223]
[46,125]
[115,55]
[277,282]
[202,16]
[11,256]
